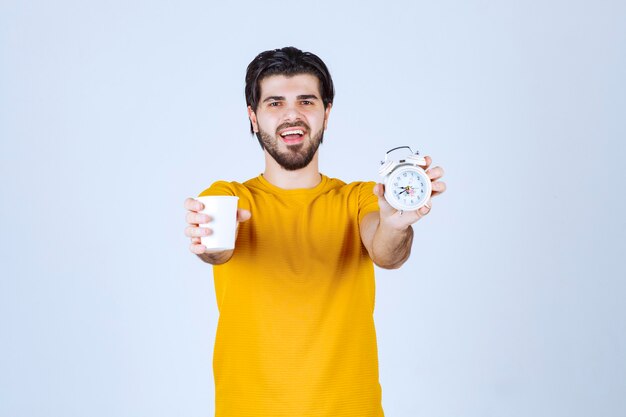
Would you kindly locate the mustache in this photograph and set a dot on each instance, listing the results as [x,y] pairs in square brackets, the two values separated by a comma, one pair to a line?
[294,124]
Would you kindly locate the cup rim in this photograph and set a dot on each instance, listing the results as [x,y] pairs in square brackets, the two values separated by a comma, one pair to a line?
[217,196]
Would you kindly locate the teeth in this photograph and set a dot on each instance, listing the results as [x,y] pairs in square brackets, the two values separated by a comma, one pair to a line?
[292,132]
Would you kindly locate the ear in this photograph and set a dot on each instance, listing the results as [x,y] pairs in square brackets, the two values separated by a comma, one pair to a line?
[252,117]
[326,114]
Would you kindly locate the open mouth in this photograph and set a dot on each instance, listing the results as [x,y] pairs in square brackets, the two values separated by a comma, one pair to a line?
[292,135]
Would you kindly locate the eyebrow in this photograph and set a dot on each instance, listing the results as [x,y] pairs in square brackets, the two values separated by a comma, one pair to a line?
[300,97]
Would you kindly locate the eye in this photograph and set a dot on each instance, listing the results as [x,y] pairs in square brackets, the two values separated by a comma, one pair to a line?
[274,104]
[306,102]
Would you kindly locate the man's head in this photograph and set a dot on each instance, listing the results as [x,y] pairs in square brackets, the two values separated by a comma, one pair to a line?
[287,61]
[288,88]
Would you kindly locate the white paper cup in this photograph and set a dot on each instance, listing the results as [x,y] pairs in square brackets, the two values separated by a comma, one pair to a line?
[223,211]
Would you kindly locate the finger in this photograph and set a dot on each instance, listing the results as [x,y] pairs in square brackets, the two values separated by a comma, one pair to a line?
[383,205]
[379,190]
[193,205]
[428,160]
[438,187]
[424,210]
[193,231]
[196,240]
[435,173]
[243,215]
[197,218]
[197,249]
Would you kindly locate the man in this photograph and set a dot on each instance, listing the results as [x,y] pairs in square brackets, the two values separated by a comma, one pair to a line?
[296,332]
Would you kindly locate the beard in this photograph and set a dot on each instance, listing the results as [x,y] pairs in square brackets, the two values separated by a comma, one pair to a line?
[295,156]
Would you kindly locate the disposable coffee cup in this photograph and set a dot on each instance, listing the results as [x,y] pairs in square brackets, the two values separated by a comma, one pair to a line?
[223,212]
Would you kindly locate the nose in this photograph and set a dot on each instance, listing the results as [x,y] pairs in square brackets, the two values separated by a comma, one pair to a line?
[291,113]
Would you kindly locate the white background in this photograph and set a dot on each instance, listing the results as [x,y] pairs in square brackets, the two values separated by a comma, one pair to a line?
[112,113]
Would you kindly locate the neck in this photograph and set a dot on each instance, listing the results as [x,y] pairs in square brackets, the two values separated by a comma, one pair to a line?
[307,177]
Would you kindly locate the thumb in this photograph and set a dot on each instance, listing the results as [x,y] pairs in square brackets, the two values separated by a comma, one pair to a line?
[243,215]
[383,205]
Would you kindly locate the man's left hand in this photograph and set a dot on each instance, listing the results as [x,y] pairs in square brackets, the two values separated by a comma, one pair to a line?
[400,220]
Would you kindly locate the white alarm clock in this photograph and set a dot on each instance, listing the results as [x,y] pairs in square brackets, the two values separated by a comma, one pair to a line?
[407,185]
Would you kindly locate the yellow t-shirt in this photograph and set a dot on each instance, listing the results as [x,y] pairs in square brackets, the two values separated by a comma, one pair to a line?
[296,336]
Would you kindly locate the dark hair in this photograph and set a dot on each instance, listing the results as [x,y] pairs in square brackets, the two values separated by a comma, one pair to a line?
[286,61]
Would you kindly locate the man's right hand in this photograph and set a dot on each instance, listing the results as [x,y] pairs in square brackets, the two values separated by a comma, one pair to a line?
[194,218]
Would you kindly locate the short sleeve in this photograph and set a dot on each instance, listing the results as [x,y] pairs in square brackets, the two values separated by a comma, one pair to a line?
[230,188]
[368,201]
[219,188]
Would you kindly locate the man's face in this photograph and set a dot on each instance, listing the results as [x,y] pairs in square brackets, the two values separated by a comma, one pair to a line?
[290,119]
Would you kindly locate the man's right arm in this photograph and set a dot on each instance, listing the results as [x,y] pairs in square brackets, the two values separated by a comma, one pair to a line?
[194,218]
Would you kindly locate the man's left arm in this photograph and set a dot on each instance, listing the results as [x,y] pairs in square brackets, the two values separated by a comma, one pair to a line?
[387,234]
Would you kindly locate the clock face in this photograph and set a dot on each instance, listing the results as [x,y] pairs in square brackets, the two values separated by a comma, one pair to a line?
[408,188]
